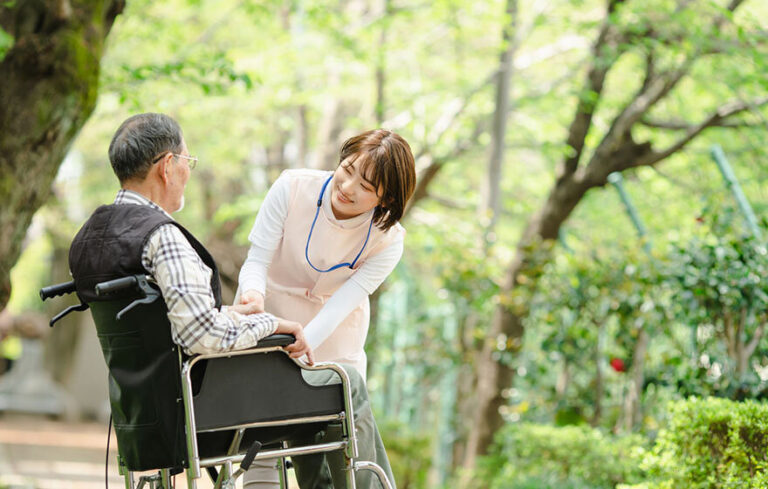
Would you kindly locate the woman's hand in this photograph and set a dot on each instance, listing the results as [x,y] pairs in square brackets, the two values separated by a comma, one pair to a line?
[300,347]
[253,298]
[246,309]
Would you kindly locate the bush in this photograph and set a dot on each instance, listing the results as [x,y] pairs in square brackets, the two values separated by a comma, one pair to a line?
[712,444]
[569,457]
[409,454]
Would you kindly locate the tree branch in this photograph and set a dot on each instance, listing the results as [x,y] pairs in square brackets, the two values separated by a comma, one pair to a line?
[429,173]
[590,95]
[452,113]
[679,125]
[653,91]
[713,120]
[618,140]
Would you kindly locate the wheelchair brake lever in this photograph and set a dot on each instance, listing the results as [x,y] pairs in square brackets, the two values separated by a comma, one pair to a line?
[229,482]
[146,300]
[150,295]
[79,307]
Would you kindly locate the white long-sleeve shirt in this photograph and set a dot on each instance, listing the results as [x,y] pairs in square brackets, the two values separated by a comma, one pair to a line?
[266,236]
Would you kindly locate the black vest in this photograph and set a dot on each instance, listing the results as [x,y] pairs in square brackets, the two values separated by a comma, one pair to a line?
[144,377]
[111,242]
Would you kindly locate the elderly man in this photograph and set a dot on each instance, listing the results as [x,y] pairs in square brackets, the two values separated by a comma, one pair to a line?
[136,234]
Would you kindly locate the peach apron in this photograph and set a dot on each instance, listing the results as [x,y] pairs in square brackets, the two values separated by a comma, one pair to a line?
[297,292]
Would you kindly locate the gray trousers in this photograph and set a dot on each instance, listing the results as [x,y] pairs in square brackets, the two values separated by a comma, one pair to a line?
[326,470]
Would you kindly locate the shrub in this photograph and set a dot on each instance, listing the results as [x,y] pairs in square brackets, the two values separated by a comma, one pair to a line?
[409,454]
[712,444]
[569,457]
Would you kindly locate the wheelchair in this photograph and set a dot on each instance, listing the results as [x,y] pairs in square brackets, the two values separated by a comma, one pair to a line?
[174,413]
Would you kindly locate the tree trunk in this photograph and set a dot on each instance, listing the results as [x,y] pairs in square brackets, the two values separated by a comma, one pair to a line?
[381,68]
[221,242]
[329,128]
[741,359]
[48,87]
[635,392]
[598,413]
[61,342]
[492,205]
[466,380]
[563,380]
[506,331]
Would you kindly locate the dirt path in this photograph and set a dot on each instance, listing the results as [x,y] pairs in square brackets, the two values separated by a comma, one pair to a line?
[39,453]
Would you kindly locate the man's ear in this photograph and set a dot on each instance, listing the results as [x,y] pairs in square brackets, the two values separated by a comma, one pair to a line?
[163,167]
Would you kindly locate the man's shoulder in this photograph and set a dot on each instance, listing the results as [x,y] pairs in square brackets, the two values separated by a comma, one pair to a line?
[132,209]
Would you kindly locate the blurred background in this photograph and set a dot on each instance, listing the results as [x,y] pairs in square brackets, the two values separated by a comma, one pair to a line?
[582,299]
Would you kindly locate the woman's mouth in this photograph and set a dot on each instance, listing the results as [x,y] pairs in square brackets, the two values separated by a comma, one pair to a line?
[343,198]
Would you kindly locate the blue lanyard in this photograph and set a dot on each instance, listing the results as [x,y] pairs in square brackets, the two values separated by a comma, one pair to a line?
[317,212]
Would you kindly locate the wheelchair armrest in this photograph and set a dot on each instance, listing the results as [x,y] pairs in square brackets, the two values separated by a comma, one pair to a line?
[276,340]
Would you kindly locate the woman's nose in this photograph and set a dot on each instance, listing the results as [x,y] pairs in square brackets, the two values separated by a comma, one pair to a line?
[347,185]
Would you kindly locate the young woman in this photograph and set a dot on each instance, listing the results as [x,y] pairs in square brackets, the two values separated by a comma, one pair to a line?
[323,241]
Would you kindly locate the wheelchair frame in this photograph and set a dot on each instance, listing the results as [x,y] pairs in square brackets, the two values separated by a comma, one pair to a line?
[227,476]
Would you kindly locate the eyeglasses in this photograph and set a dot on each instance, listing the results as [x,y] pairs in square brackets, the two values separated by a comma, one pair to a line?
[191,159]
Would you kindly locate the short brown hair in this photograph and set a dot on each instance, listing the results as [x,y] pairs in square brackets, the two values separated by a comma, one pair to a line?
[387,163]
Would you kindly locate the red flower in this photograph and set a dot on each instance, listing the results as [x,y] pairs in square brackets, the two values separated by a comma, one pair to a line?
[618,365]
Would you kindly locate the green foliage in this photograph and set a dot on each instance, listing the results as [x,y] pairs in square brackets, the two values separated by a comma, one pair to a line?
[706,444]
[712,444]
[589,310]
[6,42]
[722,293]
[721,275]
[409,454]
[578,457]
[260,86]
[30,273]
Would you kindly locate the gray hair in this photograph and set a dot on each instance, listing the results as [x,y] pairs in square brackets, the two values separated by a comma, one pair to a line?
[141,139]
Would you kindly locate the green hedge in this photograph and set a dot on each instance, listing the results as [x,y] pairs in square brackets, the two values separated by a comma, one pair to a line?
[706,444]
[711,444]
[570,457]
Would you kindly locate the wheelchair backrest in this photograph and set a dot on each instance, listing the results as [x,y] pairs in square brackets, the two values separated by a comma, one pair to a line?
[144,383]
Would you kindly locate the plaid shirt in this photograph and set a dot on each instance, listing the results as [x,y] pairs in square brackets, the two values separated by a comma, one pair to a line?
[185,283]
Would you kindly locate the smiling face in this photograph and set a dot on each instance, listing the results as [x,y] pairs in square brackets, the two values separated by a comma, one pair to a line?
[352,193]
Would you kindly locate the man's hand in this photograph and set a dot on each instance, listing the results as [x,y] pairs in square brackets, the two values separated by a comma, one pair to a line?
[253,298]
[300,347]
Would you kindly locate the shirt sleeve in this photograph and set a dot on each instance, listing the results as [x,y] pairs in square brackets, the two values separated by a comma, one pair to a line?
[184,281]
[360,285]
[377,268]
[265,236]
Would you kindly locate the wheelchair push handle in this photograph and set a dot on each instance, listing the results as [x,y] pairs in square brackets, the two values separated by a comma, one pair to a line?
[61,289]
[115,285]
[56,290]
